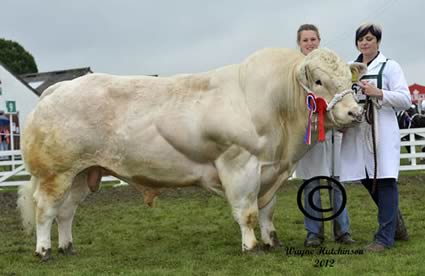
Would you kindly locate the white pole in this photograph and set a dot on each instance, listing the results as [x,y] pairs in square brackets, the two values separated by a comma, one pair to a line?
[11,140]
[331,198]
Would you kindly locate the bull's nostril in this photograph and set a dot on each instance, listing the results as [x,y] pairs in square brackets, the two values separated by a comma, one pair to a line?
[356,116]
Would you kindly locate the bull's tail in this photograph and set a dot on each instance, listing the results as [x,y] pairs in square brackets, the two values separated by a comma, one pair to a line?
[26,204]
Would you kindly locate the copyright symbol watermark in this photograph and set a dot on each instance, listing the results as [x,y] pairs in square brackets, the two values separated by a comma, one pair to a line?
[336,185]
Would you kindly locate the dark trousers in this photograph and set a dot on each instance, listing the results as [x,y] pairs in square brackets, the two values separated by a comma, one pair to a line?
[386,198]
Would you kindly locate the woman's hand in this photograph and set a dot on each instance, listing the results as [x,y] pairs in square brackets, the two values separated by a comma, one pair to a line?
[370,89]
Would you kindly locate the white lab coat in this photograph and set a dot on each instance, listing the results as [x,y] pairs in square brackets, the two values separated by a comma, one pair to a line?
[356,156]
[318,160]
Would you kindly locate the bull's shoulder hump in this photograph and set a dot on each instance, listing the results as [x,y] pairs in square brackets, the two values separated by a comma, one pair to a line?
[270,53]
[111,77]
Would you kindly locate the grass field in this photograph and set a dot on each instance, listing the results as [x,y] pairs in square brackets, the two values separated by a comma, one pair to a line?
[191,232]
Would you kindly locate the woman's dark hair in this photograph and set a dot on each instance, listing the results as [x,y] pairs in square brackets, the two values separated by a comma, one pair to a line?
[374,29]
[307,27]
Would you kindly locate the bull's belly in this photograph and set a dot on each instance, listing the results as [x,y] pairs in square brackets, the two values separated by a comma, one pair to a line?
[146,158]
[167,173]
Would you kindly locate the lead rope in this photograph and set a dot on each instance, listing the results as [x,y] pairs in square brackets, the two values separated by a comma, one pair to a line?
[371,119]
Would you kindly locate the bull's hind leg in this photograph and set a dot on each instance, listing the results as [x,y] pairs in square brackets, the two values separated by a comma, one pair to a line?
[268,232]
[78,192]
[239,172]
[49,196]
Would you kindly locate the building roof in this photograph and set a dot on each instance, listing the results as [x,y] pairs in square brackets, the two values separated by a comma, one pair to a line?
[418,92]
[417,87]
[40,81]
[19,79]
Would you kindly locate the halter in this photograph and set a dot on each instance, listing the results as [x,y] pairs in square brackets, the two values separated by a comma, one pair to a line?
[408,119]
[317,104]
[413,117]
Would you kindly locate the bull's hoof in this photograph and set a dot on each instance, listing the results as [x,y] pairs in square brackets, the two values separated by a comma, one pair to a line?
[272,247]
[255,251]
[67,251]
[45,255]
[276,243]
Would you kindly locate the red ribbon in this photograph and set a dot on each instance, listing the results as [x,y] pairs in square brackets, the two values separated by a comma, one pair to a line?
[321,110]
[316,105]
[311,105]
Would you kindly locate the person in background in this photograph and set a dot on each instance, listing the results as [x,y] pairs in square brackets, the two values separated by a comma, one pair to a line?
[387,92]
[319,162]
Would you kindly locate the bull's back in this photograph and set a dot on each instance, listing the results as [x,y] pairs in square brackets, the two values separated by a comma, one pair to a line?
[102,116]
[94,114]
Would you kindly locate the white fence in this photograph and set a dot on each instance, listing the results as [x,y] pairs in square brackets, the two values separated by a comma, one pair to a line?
[12,169]
[13,173]
[415,143]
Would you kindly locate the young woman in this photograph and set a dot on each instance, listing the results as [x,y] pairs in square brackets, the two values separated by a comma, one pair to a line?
[319,162]
[387,92]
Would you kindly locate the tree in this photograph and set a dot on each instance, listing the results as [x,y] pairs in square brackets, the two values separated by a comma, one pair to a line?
[16,58]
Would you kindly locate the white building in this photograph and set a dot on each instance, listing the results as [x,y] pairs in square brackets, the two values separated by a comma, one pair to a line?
[20,94]
[16,98]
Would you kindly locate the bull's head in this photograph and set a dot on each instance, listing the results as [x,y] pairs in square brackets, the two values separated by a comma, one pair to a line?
[326,75]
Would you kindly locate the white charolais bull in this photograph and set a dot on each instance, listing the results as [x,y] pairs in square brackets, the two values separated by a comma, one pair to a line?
[237,130]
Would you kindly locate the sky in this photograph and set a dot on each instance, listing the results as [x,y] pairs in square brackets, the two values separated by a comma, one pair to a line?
[138,37]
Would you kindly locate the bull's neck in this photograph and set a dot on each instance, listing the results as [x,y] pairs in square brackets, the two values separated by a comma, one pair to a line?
[294,130]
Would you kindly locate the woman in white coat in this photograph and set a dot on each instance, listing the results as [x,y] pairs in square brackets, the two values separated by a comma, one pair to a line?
[387,92]
[319,162]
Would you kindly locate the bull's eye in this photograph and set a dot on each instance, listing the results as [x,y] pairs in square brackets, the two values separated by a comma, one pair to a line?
[318,82]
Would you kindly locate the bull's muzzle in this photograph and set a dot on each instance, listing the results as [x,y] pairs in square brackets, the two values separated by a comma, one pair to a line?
[356,113]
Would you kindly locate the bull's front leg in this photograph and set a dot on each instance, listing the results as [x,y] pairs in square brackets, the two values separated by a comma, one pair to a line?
[268,231]
[239,172]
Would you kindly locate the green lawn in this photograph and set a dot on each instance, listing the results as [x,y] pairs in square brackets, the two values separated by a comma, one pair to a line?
[191,232]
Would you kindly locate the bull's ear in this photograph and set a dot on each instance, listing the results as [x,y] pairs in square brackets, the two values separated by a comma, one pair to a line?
[357,71]
[303,73]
